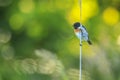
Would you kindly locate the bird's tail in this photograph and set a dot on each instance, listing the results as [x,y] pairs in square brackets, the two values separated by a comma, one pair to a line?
[89,42]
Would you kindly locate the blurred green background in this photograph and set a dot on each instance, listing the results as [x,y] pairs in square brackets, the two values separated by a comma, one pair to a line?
[37,41]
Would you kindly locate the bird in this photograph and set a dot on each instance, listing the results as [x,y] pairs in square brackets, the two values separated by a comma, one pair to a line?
[79,28]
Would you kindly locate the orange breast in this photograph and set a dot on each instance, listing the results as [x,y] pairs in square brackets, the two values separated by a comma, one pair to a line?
[76,30]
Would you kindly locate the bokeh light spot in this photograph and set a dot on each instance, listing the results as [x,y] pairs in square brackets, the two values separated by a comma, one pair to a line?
[111,16]
[5,36]
[34,29]
[89,9]
[48,63]
[42,53]
[73,74]
[46,66]
[74,14]
[16,22]
[26,6]
[7,52]
[29,66]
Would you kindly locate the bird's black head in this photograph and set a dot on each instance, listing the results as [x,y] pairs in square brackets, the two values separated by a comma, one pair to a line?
[76,25]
